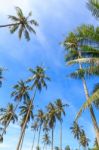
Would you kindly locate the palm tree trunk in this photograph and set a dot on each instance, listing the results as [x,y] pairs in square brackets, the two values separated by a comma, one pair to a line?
[96,128]
[52,138]
[9,25]
[61,135]
[22,141]
[24,126]
[39,135]
[23,129]
[33,141]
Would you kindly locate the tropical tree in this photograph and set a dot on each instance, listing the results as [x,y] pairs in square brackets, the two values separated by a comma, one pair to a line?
[34,127]
[20,93]
[46,141]
[51,115]
[76,130]
[38,78]
[60,111]
[40,120]
[84,141]
[26,108]
[7,114]
[23,24]
[75,44]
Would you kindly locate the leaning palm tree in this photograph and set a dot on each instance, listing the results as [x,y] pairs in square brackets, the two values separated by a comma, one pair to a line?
[7,114]
[34,127]
[23,24]
[38,78]
[25,109]
[20,93]
[51,120]
[75,44]
[60,111]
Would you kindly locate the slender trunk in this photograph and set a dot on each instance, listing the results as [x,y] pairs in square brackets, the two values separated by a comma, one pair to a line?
[9,25]
[61,135]
[24,126]
[33,141]
[96,128]
[22,141]
[79,145]
[4,130]
[52,138]
[39,135]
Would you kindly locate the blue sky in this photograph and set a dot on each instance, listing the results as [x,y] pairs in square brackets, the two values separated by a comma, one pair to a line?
[56,19]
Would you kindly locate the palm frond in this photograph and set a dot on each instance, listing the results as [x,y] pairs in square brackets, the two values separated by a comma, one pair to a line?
[91,99]
[93,6]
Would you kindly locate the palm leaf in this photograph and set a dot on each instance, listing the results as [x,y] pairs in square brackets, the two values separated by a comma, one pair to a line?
[87,104]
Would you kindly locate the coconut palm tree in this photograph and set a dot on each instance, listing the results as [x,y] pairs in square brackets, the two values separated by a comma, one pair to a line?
[60,111]
[24,25]
[34,127]
[5,115]
[39,77]
[26,108]
[51,115]
[76,130]
[40,120]
[46,141]
[84,141]
[20,93]
[75,45]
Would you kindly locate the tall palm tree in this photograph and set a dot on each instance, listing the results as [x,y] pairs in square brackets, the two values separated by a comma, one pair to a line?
[23,24]
[40,119]
[46,141]
[26,108]
[20,93]
[51,116]
[75,44]
[38,78]
[60,111]
[5,115]
[76,130]
[34,127]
